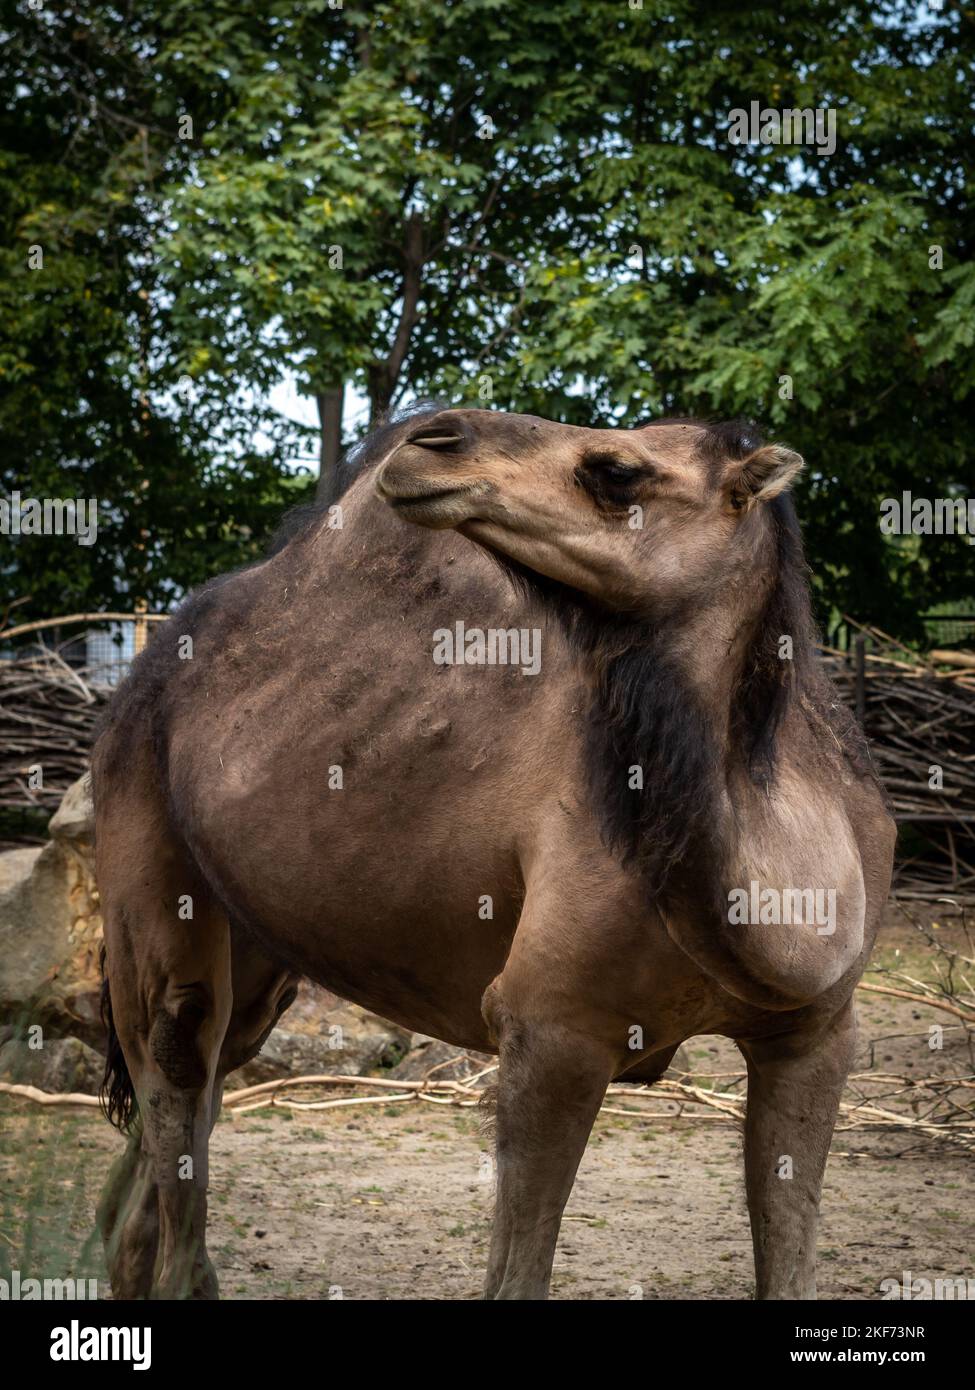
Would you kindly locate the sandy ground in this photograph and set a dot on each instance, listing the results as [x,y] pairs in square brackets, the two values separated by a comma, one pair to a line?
[387,1202]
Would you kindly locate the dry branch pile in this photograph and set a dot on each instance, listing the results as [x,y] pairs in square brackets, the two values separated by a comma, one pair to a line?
[920,718]
[48,711]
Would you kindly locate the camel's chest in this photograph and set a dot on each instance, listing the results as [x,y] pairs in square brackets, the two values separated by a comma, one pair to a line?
[793,890]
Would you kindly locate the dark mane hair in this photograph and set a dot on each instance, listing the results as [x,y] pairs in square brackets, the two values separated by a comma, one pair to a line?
[768,683]
[643,716]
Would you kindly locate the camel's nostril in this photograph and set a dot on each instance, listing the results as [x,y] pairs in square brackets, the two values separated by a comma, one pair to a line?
[432,438]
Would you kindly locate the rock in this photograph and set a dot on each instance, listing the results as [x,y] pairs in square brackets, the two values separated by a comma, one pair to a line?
[60,1064]
[324,1036]
[50,927]
[302,1054]
[309,1013]
[451,1063]
[74,820]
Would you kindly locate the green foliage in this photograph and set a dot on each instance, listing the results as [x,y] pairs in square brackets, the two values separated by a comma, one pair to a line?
[88,405]
[762,263]
[532,206]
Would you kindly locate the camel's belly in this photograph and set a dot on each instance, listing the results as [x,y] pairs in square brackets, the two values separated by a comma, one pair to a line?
[400,892]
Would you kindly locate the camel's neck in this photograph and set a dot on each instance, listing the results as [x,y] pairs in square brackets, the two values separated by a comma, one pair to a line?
[709,656]
[681,709]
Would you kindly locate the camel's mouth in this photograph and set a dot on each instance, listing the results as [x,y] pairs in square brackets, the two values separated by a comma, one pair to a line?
[422,499]
[425,502]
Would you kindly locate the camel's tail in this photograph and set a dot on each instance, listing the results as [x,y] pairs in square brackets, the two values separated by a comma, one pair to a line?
[117,1093]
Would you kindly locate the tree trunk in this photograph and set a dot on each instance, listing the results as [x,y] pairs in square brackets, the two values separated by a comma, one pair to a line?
[379,389]
[383,376]
[330,404]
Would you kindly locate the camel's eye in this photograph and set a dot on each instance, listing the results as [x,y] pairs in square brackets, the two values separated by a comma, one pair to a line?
[606,470]
[610,482]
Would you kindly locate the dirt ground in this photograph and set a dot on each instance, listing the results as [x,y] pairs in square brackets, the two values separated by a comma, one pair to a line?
[392,1202]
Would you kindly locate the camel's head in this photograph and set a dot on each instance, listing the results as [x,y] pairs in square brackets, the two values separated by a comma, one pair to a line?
[640,519]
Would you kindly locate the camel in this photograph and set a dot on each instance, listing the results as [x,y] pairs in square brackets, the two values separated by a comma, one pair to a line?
[543,860]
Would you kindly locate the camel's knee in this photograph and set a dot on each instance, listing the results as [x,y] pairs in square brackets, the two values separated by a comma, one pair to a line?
[174,1081]
[171,1000]
[181,1035]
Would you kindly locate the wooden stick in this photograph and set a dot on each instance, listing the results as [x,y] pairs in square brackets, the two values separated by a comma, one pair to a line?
[948,658]
[936,1003]
[48,1097]
[71,618]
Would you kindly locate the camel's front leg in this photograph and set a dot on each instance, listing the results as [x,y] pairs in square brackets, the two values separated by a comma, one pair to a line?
[795,1081]
[551,1083]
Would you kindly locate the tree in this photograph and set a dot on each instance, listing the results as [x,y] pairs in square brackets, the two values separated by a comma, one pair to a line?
[88,400]
[339,214]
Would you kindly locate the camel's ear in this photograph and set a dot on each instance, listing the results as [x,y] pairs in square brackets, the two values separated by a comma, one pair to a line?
[763,475]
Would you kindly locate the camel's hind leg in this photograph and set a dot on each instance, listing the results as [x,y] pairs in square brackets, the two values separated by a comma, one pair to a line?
[128,1219]
[168,970]
[128,1213]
